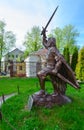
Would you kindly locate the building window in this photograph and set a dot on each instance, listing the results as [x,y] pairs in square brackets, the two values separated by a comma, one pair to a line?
[8,67]
[20,67]
[12,56]
[16,56]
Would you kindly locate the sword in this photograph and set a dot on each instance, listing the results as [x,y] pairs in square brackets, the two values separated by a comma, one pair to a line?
[44,28]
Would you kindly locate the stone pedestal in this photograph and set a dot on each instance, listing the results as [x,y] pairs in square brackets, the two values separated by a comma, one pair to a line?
[49,100]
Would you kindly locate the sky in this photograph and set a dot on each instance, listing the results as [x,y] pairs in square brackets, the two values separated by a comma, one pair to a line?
[21,15]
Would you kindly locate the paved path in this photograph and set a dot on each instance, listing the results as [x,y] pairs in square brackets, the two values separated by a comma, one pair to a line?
[6,97]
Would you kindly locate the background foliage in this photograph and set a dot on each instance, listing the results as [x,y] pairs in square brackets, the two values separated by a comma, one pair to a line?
[80,65]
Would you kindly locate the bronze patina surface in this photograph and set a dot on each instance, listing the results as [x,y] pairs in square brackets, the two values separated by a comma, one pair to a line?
[60,74]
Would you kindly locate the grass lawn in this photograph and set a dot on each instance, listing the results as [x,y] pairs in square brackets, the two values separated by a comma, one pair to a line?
[16,115]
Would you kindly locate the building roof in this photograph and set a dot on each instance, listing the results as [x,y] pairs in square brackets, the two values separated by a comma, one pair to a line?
[16,49]
[41,52]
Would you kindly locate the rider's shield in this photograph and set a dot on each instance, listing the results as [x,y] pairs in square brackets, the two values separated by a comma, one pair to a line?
[67,75]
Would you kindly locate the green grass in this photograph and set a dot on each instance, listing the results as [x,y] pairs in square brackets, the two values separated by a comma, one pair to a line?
[9,85]
[67,117]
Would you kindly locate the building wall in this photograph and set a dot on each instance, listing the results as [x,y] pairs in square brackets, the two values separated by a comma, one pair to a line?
[32,65]
[21,69]
[13,55]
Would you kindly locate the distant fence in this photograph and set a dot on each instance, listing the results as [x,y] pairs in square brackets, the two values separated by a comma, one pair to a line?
[21,69]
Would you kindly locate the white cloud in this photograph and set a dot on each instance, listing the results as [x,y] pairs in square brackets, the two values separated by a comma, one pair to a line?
[21,15]
[20,22]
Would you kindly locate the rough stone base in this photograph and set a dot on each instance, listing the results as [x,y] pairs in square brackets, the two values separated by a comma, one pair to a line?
[49,100]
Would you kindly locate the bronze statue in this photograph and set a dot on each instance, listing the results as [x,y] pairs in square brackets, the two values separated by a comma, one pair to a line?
[58,70]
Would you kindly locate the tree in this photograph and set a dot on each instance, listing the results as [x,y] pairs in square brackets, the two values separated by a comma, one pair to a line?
[57,33]
[65,36]
[80,65]
[7,40]
[33,40]
[66,54]
[69,37]
[2,44]
[74,58]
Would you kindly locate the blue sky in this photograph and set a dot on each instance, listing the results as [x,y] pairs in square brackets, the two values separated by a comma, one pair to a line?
[21,15]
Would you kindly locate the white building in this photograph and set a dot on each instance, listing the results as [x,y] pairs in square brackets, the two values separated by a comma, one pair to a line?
[10,59]
[35,62]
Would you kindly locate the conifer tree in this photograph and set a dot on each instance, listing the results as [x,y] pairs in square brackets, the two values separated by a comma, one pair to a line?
[74,58]
[80,65]
[66,54]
